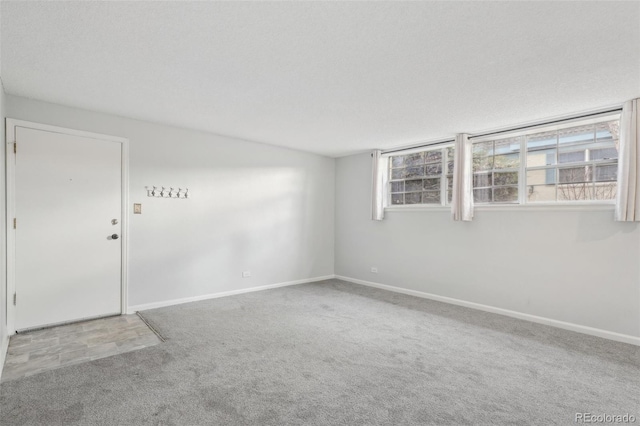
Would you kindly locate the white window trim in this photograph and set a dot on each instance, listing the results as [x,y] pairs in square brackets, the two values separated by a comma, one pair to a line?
[598,205]
[522,183]
[522,204]
[444,205]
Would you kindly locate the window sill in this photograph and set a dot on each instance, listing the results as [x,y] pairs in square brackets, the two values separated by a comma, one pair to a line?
[412,208]
[547,207]
[512,207]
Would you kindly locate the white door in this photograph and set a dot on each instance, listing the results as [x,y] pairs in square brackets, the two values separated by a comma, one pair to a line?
[67,239]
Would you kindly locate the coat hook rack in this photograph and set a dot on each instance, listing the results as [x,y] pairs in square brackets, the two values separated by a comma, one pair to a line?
[162,192]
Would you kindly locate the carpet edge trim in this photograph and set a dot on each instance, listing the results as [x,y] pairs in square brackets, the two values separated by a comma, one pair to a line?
[133,309]
[611,335]
[151,327]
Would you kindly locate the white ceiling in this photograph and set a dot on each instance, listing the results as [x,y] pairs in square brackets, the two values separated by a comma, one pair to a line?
[332,78]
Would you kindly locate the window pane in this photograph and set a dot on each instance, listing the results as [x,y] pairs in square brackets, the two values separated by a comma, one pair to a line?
[542,141]
[434,169]
[541,177]
[603,154]
[482,163]
[505,178]
[431,197]
[605,190]
[483,156]
[414,172]
[481,179]
[431,184]
[541,157]
[397,161]
[575,191]
[505,193]
[397,186]
[541,193]
[576,135]
[483,149]
[510,161]
[507,146]
[575,174]
[506,157]
[414,159]
[397,199]
[450,160]
[449,189]
[482,195]
[450,167]
[412,198]
[433,156]
[606,173]
[607,131]
[572,156]
[398,173]
[413,185]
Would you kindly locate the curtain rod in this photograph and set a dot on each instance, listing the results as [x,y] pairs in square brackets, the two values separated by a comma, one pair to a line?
[418,146]
[513,129]
[546,123]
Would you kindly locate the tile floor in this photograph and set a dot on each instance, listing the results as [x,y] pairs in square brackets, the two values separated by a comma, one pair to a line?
[41,350]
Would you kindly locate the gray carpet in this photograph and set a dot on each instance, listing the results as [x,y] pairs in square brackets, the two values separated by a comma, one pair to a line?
[334,353]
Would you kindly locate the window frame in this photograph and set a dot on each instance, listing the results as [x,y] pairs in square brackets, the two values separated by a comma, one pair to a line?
[522,173]
[435,146]
[493,170]
[522,203]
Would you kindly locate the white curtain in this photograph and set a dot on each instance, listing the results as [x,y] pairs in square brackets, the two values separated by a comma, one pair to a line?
[628,197]
[380,171]
[462,198]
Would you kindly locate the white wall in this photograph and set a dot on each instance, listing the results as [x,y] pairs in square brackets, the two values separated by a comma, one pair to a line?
[4,338]
[579,267]
[252,207]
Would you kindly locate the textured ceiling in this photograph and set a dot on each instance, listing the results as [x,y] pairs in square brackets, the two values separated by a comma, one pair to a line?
[327,77]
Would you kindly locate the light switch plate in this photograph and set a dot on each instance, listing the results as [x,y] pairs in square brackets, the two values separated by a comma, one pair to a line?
[137,208]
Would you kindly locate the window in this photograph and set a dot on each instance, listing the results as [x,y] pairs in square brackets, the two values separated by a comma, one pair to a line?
[564,163]
[496,166]
[573,164]
[424,177]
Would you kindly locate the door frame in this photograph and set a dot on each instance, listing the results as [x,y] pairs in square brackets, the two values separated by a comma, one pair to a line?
[11,125]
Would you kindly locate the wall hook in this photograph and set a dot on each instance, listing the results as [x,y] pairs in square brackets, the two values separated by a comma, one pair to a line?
[166,192]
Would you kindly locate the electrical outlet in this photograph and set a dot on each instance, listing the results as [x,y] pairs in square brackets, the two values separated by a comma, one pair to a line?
[374,269]
[246,274]
[137,208]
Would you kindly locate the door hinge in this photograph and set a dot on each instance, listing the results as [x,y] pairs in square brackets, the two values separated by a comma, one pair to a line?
[15,223]
[15,147]
[14,299]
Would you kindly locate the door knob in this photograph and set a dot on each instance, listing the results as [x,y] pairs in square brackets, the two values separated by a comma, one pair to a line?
[114,236]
